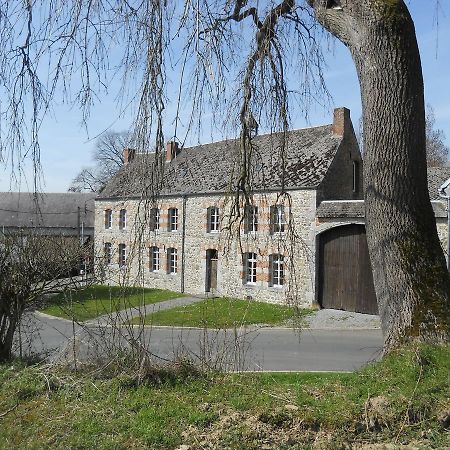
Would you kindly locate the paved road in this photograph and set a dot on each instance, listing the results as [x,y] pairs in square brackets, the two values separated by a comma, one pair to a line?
[250,348]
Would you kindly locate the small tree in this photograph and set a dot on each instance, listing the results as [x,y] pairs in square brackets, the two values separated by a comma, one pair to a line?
[108,157]
[31,265]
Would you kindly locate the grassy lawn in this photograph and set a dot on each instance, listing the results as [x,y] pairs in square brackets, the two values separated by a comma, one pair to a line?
[399,401]
[84,304]
[224,313]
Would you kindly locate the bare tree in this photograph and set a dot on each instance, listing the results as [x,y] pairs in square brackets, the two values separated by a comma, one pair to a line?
[239,54]
[108,157]
[437,151]
[31,266]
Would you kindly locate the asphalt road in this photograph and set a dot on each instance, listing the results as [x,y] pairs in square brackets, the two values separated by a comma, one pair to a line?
[251,348]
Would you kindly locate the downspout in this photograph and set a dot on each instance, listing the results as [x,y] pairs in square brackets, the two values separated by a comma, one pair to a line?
[183,240]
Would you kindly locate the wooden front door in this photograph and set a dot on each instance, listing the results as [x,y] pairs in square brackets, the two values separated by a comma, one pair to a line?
[345,273]
[211,270]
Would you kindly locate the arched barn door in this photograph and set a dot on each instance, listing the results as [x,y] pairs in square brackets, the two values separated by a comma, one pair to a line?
[345,273]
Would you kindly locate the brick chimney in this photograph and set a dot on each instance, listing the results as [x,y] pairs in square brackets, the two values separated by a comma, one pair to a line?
[341,121]
[128,155]
[172,150]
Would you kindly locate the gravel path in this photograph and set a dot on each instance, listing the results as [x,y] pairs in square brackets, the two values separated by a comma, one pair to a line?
[334,319]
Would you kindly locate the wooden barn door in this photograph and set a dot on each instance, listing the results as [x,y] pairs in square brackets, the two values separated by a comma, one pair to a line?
[345,274]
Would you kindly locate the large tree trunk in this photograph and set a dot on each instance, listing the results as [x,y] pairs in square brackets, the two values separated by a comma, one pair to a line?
[410,276]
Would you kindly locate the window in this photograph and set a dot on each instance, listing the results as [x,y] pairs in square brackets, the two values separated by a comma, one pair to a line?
[154,219]
[108,253]
[276,270]
[277,219]
[213,219]
[173,219]
[250,268]
[251,219]
[355,176]
[172,266]
[122,255]
[154,259]
[122,219]
[108,219]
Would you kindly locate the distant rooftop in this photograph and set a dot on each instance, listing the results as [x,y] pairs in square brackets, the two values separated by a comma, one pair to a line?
[47,210]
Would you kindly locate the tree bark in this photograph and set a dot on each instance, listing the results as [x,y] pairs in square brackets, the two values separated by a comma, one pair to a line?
[410,276]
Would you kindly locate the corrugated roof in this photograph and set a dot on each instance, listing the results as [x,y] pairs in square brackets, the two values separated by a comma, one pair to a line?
[214,167]
[53,210]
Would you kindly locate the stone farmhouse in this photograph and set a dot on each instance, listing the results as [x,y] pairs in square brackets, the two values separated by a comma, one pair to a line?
[300,238]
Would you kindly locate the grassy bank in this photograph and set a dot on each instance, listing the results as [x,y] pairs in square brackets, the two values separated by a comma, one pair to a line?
[224,313]
[94,301]
[402,400]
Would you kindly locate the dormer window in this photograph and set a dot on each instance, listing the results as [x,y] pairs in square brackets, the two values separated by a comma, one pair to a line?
[213,219]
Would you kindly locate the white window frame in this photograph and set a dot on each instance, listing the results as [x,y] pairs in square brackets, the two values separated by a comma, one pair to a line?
[154,219]
[277,219]
[123,219]
[107,251]
[108,219]
[251,219]
[213,219]
[173,219]
[122,255]
[172,261]
[251,260]
[155,259]
[276,270]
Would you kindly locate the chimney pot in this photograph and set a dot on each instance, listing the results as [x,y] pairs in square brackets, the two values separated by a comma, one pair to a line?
[172,150]
[128,155]
[341,121]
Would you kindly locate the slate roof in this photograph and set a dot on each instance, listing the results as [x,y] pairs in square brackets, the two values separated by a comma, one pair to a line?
[59,210]
[215,167]
[355,209]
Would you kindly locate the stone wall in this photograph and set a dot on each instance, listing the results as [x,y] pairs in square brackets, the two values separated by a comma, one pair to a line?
[338,182]
[297,244]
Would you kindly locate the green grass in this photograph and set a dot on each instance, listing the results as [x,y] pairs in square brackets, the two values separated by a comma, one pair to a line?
[94,301]
[224,313]
[41,407]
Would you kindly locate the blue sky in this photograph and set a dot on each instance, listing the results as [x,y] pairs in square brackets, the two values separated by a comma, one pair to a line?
[66,145]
